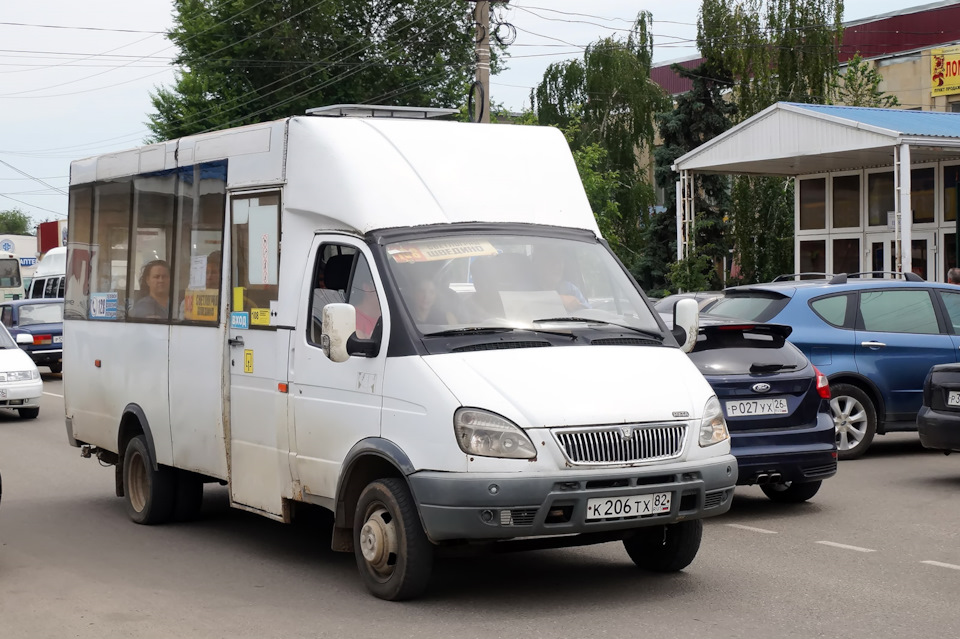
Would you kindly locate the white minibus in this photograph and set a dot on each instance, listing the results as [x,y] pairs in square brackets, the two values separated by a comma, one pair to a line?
[412,323]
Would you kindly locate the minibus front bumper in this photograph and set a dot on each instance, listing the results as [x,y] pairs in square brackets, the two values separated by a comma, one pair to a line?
[472,506]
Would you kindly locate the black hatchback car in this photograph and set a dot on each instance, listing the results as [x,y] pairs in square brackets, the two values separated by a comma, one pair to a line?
[37,327]
[939,417]
[776,404]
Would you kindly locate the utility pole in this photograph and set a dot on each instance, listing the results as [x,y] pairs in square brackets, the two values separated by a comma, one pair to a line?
[480,92]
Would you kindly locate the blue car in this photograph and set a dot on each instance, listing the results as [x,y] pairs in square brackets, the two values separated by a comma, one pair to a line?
[875,339]
[776,405]
[37,327]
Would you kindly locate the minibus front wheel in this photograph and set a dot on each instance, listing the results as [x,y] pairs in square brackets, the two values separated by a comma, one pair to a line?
[668,548]
[393,553]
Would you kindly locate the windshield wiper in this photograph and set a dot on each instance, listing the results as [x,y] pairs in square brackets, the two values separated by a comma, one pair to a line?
[486,330]
[473,330]
[651,334]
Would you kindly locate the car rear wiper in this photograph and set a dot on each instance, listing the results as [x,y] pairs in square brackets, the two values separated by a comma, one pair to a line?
[771,368]
[651,334]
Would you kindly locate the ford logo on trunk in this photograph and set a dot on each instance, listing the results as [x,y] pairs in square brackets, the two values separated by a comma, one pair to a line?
[761,388]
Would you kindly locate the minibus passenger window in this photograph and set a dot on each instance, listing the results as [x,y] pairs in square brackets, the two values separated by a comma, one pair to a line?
[202,198]
[78,254]
[111,236]
[255,270]
[149,290]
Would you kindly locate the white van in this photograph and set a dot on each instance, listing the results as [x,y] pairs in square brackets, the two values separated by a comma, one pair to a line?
[48,279]
[413,324]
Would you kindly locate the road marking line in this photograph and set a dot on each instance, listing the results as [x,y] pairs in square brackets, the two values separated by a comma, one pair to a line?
[940,564]
[54,395]
[845,546]
[751,528]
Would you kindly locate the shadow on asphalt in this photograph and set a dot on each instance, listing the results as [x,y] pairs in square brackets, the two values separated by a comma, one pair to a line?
[573,576]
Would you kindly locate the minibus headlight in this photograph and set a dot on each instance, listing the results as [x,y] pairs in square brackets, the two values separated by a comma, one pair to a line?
[713,427]
[486,434]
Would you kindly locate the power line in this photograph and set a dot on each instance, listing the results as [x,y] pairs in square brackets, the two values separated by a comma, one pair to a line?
[57,26]
[35,179]
[33,205]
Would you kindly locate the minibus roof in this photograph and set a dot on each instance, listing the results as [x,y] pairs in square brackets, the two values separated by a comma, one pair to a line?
[363,174]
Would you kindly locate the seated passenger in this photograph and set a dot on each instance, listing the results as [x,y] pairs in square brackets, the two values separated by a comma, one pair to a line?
[155,280]
[549,267]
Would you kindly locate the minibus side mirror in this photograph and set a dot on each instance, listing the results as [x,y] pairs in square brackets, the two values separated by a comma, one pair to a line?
[339,324]
[686,323]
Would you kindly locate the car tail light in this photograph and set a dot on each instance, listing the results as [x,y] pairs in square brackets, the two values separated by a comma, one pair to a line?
[823,386]
[39,340]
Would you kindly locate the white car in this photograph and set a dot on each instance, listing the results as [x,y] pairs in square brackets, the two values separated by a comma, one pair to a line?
[20,383]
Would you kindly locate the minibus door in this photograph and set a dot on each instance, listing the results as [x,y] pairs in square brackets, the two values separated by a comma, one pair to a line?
[257,356]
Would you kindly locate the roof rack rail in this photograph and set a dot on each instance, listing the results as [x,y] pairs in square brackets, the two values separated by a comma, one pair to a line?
[379,111]
[791,276]
[910,277]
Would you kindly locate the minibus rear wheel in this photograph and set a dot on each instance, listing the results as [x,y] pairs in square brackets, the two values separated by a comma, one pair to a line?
[393,553]
[668,548]
[149,493]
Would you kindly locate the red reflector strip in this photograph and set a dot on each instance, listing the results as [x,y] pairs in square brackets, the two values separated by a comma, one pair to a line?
[736,327]
[282,387]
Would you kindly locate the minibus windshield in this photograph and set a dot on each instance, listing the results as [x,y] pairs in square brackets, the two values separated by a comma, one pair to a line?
[473,280]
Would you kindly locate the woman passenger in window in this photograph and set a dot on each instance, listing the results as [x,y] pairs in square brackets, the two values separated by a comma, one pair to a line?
[155,280]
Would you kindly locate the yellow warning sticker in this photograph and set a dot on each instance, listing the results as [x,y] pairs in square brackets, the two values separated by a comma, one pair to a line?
[248,360]
[201,305]
[260,316]
[439,250]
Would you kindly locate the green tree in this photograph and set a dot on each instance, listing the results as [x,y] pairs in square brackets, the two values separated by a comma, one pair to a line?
[776,50]
[860,86]
[15,222]
[606,103]
[246,61]
[698,116]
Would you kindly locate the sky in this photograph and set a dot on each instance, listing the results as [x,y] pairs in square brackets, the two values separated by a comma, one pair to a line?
[76,75]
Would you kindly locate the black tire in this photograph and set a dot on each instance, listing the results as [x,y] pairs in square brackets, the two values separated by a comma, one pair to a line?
[855,419]
[56,368]
[28,413]
[668,548]
[189,496]
[791,492]
[149,493]
[393,553]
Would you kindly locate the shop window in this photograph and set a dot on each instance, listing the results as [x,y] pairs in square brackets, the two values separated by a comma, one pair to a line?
[951,182]
[846,255]
[949,253]
[922,195]
[813,256]
[813,204]
[880,200]
[846,201]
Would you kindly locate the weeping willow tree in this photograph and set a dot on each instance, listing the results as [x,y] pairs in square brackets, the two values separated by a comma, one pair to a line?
[775,50]
[605,102]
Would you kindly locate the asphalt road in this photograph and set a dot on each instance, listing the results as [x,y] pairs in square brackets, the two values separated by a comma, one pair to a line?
[875,554]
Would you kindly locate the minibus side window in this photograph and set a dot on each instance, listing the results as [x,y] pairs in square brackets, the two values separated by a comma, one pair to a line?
[60,281]
[111,236]
[199,258]
[149,280]
[50,288]
[255,255]
[331,276]
[79,258]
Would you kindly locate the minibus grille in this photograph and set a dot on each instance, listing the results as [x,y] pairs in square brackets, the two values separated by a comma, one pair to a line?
[621,444]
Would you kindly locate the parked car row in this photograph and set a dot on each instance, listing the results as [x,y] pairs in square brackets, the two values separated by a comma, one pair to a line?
[875,339]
